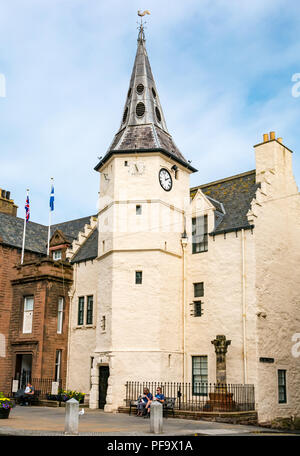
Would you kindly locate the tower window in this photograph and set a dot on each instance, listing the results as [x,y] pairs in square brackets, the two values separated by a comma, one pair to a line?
[197,308]
[140,109]
[153,93]
[158,114]
[138,209]
[140,88]
[103,323]
[129,92]
[138,277]
[198,289]
[125,114]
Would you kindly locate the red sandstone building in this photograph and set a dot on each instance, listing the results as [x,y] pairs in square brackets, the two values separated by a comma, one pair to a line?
[34,301]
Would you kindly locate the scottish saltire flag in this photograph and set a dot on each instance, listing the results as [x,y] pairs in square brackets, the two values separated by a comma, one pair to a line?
[27,209]
[52,198]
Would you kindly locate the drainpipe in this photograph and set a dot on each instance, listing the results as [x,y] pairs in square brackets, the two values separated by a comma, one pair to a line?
[245,374]
[184,241]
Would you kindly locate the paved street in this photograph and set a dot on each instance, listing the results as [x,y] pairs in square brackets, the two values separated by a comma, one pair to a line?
[50,421]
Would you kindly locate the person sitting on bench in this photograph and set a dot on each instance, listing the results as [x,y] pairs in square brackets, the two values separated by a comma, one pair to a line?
[28,393]
[158,397]
[144,402]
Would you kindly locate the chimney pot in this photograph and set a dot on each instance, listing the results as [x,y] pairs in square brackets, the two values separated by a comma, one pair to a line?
[279,140]
[266,137]
[272,135]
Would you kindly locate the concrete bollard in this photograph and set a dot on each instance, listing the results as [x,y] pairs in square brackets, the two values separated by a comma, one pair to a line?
[156,417]
[71,417]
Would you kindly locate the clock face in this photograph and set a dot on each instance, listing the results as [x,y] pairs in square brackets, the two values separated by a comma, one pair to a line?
[165,179]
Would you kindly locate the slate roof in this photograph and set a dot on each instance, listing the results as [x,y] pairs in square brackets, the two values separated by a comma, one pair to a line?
[11,232]
[235,193]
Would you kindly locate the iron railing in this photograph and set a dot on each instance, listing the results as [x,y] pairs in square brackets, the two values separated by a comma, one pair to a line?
[43,386]
[205,397]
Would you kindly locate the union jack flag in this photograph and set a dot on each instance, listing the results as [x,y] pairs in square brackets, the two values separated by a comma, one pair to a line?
[27,209]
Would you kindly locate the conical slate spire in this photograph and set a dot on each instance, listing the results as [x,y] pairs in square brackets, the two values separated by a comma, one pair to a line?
[143,126]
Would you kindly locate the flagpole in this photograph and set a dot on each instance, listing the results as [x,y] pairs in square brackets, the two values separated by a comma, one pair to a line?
[49,225]
[24,232]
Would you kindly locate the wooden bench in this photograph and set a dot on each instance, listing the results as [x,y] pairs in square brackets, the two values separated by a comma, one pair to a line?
[168,405]
[30,399]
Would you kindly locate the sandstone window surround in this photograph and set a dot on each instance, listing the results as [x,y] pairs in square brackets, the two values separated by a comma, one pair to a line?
[199,234]
[57,365]
[60,313]
[57,255]
[28,314]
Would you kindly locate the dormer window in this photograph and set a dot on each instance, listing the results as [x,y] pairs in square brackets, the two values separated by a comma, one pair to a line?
[57,255]
[199,234]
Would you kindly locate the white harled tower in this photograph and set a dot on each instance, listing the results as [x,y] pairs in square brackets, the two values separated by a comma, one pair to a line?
[144,190]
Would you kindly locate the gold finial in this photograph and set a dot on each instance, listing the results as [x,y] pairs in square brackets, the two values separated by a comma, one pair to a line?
[143,14]
[141,36]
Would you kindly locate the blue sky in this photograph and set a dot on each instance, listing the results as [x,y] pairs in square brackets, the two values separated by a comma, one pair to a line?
[223,70]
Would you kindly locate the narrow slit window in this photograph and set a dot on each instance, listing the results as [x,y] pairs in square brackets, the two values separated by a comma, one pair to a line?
[60,313]
[138,277]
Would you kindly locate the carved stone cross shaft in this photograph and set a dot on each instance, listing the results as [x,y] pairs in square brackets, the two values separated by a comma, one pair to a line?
[221,345]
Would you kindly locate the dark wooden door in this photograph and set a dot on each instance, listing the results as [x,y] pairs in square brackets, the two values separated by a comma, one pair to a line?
[103,378]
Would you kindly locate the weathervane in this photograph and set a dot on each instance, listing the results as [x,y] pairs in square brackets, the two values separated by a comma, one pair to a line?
[141,25]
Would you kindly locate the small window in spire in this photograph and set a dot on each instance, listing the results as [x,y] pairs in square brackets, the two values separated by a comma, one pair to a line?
[153,93]
[125,114]
[140,109]
[140,89]
[129,92]
[158,114]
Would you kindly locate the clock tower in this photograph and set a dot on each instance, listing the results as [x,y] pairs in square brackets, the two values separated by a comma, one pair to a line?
[144,193]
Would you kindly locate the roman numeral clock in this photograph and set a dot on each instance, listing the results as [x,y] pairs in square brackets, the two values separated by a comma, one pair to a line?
[165,179]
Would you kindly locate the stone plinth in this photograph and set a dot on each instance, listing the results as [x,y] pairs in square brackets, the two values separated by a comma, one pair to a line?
[220,401]
[71,417]
[156,417]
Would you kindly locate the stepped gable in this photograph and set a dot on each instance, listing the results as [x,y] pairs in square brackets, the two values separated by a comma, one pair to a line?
[236,194]
[89,250]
